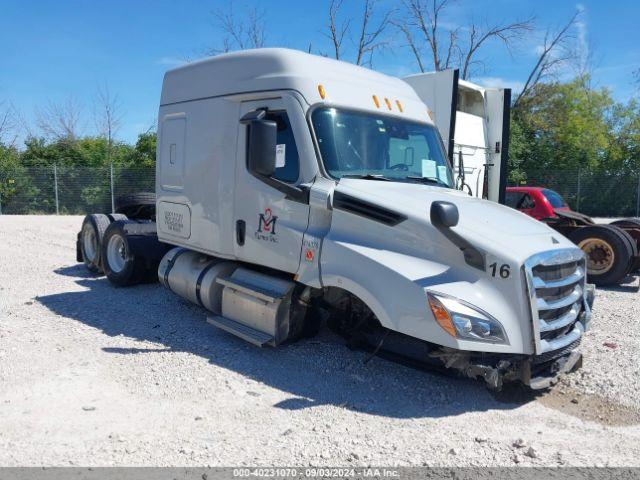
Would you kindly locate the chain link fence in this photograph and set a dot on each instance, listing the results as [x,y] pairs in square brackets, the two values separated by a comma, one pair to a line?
[597,194]
[80,190]
[68,190]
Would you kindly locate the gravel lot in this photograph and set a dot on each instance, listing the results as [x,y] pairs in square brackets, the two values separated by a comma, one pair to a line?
[94,375]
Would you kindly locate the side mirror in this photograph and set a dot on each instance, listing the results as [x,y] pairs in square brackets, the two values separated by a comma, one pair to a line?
[261,157]
[444,214]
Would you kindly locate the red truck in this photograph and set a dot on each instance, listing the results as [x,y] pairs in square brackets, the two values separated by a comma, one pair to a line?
[611,249]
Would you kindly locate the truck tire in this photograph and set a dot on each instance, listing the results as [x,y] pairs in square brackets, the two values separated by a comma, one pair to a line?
[608,253]
[140,206]
[121,266]
[634,221]
[633,246]
[630,223]
[90,239]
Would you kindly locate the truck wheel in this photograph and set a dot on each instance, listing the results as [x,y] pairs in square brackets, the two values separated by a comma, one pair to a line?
[631,243]
[608,253]
[92,233]
[141,205]
[630,223]
[121,266]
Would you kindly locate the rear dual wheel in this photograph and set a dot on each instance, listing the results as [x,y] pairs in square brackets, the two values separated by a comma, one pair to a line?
[608,251]
[121,266]
[93,229]
[630,223]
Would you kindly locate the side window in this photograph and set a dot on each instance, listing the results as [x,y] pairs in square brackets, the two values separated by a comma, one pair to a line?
[287,161]
[512,199]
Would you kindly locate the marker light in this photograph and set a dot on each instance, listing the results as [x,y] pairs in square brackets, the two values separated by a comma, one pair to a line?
[386,100]
[399,105]
[321,92]
[441,315]
[375,100]
[430,114]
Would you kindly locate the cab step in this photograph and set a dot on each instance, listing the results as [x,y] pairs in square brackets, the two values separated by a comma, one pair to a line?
[241,330]
[254,289]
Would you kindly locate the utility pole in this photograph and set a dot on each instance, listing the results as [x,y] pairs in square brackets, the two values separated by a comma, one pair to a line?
[55,182]
[638,198]
[113,205]
[578,199]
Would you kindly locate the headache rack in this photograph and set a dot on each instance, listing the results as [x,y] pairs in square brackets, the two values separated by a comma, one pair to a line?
[556,283]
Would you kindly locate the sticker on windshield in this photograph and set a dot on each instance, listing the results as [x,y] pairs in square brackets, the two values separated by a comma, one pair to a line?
[428,168]
[280,155]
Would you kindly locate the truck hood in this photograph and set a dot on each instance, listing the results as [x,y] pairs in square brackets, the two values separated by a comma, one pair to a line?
[482,222]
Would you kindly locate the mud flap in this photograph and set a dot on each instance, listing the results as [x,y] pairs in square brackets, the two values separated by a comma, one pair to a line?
[79,249]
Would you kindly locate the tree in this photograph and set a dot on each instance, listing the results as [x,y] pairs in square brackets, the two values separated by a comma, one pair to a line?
[369,37]
[60,120]
[457,47]
[107,113]
[107,116]
[9,120]
[337,32]
[566,126]
[556,51]
[239,33]
[145,150]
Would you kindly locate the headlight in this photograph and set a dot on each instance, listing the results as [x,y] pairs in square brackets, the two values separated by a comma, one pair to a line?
[461,320]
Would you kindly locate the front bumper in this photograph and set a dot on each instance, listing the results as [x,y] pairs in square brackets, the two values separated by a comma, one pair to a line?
[540,371]
[538,378]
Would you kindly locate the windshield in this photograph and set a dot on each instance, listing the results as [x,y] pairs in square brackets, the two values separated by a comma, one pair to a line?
[555,199]
[357,144]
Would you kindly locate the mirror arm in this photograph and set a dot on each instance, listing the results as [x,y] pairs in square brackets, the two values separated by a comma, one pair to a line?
[473,256]
[253,115]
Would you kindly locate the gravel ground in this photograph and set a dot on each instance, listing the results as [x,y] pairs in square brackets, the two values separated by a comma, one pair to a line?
[94,375]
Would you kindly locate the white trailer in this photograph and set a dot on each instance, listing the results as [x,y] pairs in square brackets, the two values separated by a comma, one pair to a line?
[474,121]
[294,190]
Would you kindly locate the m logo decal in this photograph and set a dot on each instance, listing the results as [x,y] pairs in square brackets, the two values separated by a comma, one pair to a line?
[267,222]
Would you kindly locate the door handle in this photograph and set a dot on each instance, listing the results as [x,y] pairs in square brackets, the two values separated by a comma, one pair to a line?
[241,228]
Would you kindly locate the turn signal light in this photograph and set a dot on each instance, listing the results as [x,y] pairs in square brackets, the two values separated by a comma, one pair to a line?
[441,315]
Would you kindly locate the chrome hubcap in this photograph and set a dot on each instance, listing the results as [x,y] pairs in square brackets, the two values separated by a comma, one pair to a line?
[116,253]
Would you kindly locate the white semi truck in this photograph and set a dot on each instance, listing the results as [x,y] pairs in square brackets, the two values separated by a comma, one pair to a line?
[294,190]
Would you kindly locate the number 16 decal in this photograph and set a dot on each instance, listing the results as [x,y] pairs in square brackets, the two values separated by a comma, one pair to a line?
[503,270]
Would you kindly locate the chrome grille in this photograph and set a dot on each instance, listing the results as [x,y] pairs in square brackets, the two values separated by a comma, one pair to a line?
[556,282]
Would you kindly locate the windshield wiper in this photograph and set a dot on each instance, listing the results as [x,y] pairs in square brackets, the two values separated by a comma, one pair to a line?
[368,176]
[437,181]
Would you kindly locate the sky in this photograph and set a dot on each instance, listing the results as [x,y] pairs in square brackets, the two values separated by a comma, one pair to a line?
[54,50]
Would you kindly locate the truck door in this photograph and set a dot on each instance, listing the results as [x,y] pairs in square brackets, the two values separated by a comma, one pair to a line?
[269,224]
